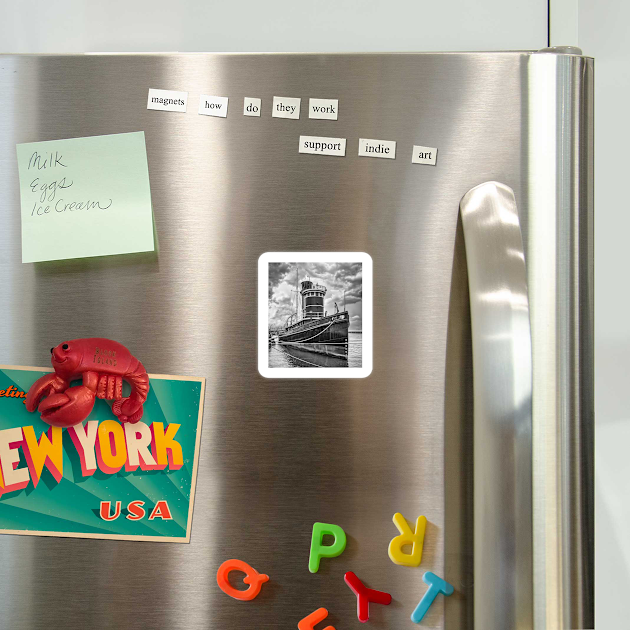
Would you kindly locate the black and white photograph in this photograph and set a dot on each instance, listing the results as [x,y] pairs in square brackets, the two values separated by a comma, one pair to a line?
[314,316]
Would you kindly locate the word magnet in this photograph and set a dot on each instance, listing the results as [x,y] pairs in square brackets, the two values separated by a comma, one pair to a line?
[424,155]
[365,596]
[407,537]
[377,148]
[167,100]
[285,107]
[436,586]
[319,550]
[323,108]
[251,106]
[252,577]
[322,146]
[213,105]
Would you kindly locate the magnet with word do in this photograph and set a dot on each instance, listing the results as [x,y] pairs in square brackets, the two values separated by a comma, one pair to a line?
[319,550]
[365,595]
[407,537]
[309,622]
[252,577]
[436,586]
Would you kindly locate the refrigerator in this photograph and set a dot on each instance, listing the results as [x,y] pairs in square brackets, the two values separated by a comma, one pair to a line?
[461,184]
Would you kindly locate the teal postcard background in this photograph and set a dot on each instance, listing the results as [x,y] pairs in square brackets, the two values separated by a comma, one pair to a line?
[72,505]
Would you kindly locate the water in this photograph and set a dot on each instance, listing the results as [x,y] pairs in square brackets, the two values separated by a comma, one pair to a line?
[311,354]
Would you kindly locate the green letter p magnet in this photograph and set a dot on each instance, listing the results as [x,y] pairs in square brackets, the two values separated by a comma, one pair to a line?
[319,551]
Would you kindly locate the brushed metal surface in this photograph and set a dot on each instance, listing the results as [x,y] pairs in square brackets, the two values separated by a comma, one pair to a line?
[502,372]
[560,274]
[275,455]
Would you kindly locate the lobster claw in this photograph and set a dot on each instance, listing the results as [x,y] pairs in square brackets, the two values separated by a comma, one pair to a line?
[43,386]
[127,410]
[68,408]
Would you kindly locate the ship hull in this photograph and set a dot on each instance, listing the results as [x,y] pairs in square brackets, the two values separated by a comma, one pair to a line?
[332,329]
[316,355]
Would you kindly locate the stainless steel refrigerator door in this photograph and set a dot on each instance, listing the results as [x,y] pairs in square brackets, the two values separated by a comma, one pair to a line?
[278,455]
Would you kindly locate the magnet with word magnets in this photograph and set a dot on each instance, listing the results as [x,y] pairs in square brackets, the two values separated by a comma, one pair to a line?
[309,623]
[319,550]
[102,364]
[436,586]
[365,596]
[407,537]
[252,577]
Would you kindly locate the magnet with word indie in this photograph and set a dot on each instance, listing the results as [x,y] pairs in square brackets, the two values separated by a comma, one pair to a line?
[436,586]
[102,364]
[309,623]
[319,550]
[252,577]
[365,595]
[407,537]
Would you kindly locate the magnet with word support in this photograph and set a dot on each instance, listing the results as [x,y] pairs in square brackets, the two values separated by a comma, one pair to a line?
[252,577]
[319,550]
[436,586]
[309,623]
[407,537]
[365,596]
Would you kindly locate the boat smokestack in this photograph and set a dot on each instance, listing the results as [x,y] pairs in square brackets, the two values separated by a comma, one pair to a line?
[312,299]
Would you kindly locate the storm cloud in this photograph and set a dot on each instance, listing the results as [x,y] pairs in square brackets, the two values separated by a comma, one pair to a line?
[336,277]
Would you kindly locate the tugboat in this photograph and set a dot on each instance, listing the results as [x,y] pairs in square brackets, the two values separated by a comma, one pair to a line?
[315,326]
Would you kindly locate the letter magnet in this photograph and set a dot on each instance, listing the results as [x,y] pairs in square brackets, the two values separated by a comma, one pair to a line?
[252,577]
[407,537]
[319,551]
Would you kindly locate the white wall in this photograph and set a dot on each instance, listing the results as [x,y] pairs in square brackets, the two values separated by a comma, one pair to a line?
[603,28]
[283,25]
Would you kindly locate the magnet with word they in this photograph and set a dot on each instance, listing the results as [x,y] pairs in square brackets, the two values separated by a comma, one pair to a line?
[407,537]
[319,550]
[252,577]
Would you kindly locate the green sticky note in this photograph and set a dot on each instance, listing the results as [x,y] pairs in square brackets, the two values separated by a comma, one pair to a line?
[85,197]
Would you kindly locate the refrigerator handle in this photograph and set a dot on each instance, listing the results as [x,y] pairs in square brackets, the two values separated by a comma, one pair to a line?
[502,375]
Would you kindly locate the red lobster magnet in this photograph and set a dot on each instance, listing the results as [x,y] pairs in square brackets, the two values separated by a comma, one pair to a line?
[102,364]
